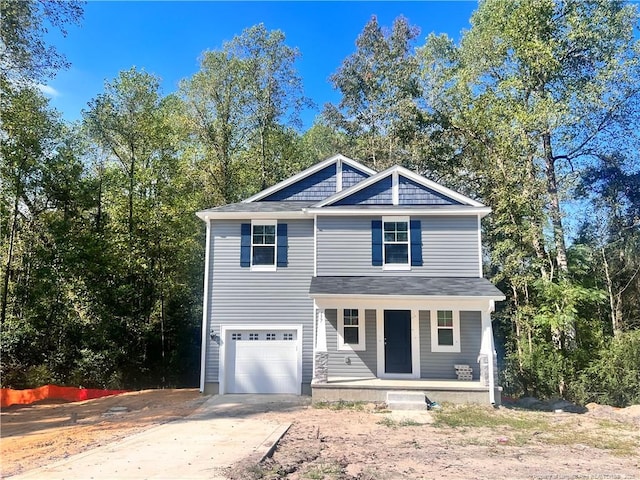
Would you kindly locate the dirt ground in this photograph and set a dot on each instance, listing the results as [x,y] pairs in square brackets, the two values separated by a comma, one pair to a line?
[372,445]
[361,442]
[34,435]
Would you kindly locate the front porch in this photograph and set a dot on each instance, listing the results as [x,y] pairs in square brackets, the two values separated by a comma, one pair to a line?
[375,390]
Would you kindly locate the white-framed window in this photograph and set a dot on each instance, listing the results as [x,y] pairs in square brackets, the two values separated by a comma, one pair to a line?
[445,331]
[351,329]
[263,245]
[396,244]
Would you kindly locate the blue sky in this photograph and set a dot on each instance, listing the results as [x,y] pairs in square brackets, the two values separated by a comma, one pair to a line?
[166,38]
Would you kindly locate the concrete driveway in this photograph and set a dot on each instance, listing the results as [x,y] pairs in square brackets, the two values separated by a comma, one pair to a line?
[222,432]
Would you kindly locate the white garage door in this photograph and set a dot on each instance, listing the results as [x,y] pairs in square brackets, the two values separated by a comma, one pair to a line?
[262,361]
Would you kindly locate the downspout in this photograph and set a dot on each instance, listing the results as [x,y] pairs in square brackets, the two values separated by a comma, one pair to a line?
[205,306]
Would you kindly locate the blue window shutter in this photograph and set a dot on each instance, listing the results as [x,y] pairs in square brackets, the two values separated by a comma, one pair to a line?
[416,243]
[376,242]
[283,245]
[245,245]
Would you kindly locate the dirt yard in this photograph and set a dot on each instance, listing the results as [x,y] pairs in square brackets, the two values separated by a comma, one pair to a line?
[466,442]
[357,441]
[34,435]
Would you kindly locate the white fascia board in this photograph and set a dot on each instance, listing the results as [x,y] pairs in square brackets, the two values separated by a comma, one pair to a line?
[354,164]
[447,192]
[398,211]
[252,215]
[397,169]
[381,299]
[305,173]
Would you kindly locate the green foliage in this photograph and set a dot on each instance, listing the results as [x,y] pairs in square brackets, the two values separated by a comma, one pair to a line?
[24,55]
[102,255]
[378,110]
[479,416]
[613,377]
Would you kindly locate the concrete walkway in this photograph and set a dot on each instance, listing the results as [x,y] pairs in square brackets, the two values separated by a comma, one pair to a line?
[222,432]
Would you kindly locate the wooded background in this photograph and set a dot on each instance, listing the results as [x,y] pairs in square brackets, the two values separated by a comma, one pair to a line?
[534,112]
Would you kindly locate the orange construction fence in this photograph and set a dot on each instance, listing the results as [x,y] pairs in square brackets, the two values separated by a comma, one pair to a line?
[24,397]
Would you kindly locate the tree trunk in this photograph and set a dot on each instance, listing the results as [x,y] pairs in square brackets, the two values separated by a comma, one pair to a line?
[263,152]
[614,300]
[7,270]
[563,337]
[554,205]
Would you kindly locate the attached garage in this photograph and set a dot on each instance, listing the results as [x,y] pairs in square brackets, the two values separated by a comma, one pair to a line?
[261,360]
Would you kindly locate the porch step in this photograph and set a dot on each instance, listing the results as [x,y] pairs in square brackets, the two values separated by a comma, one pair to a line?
[406,400]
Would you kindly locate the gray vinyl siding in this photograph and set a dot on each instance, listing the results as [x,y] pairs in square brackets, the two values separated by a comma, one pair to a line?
[239,296]
[449,247]
[439,365]
[352,364]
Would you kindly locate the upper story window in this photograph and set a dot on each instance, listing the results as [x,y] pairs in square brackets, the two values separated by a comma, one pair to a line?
[264,245]
[395,239]
[396,243]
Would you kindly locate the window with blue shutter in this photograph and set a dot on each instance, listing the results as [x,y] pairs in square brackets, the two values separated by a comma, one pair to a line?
[376,242]
[416,243]
[245,245]
[263,245]
[283,245]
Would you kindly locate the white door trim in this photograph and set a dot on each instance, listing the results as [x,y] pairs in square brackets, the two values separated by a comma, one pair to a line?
[225,329]
[415,345]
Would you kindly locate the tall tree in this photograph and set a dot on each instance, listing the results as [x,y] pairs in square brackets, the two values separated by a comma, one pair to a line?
[29,135]
[217,102]
[380,90]
[24,55]
[276,95]
[45,240]
[239,103]
[613,232]
[532,95]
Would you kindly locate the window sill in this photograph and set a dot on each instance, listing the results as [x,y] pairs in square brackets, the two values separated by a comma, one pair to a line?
[396,267]
[263,268]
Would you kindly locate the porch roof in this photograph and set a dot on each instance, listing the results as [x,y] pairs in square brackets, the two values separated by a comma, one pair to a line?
[401,286]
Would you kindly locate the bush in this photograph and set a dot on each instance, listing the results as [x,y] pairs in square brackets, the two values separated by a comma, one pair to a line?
[613,378]
[543,373]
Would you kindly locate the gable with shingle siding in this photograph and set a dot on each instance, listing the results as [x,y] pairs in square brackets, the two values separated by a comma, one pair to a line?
[316,187]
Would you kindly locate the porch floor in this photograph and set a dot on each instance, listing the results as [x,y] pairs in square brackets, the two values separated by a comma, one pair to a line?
[375,390]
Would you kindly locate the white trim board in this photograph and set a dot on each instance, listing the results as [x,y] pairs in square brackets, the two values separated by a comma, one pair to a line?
[396,171]
[205,308]
[308,172]
[415,345]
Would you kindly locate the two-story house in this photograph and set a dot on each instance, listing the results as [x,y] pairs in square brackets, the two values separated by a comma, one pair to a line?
[346,283]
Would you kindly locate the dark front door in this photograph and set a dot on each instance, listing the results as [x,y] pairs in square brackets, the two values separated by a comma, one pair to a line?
[397,341]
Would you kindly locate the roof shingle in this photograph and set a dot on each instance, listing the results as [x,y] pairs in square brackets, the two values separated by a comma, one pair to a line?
[404,285]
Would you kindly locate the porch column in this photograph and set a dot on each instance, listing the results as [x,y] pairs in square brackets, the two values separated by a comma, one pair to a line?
[488,356]
[320,354]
